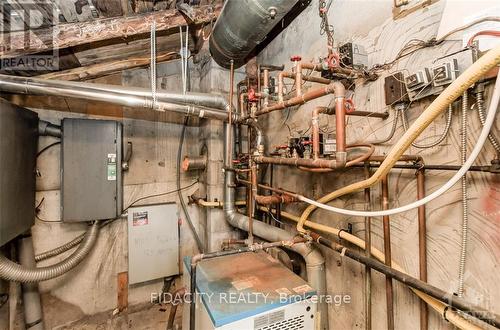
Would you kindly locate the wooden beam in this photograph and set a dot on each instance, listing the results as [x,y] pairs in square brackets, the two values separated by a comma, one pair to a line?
[73,34]
[107,68]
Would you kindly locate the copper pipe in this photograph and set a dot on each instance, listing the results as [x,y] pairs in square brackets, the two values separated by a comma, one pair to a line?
[387,251]
[243,111]
[368,277]
[280,87]
[265,86]
[266,187]
[320,163]
[381,115]
[315,170]
[340,127]
[335,88]
[402,158]
[315,130]
[422,246]
[312,163]
[275,199]
[298,78]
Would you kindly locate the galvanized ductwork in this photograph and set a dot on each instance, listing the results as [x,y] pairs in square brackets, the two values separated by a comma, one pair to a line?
[242,25]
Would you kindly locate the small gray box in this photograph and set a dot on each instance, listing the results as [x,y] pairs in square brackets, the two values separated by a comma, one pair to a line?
[153,242]
[18,147]
[91,172]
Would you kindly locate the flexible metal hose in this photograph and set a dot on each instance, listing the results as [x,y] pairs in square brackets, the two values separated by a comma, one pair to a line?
[481,112]
[61,249]
[397,114]
[11,271]
[449,115]
[465,212]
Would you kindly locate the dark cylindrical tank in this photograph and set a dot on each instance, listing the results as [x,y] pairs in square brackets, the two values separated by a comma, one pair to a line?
[242,25]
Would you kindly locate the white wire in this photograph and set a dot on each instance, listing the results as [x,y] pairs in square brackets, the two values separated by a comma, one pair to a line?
[490,119]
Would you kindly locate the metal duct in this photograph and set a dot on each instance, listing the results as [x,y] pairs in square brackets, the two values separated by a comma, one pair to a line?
[195,104]
[242,25]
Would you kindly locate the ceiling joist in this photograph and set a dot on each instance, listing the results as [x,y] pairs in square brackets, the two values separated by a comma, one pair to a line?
[74,34]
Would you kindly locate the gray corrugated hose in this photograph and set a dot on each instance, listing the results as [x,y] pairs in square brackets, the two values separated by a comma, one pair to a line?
[12,271]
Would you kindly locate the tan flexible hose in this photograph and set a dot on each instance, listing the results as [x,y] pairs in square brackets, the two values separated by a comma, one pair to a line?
[440,104]
[438,306]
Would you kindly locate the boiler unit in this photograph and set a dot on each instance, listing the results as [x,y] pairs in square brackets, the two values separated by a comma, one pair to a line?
[250,291]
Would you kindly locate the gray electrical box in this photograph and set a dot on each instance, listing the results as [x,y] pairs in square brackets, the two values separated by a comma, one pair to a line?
[153,242]
[91,171]
[18,148]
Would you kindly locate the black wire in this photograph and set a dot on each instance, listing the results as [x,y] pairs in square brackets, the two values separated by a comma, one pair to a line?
[47,148]
[160,194]
[3,299]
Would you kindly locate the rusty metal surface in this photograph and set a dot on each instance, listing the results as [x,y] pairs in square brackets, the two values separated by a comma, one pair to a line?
[254,279]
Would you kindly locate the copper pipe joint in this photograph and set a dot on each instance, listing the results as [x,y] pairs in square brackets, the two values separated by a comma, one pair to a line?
[275,199]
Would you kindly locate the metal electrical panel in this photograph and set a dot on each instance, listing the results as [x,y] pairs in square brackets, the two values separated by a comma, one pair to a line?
[153,242]
[18,147]
[91,170]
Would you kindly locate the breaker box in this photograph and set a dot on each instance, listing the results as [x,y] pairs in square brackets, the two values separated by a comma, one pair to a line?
[18,148]
[249,291]
[153,242]
[91,171]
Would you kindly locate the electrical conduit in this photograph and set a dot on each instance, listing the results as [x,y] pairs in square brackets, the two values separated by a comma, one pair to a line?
[11,271]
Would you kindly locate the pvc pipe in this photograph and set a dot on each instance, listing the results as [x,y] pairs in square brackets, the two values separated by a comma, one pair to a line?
[452,92]
[33,316]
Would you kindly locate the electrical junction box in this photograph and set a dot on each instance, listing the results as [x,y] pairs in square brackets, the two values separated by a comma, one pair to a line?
[436,75]
[153,242]
[18,147]
[250,291]
[353,55]
[91,170]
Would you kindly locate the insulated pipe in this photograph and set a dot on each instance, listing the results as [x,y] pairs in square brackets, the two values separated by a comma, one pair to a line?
[477,70]
[315,263]
[12,271]
[451,315]
[115,95]
[33,315]
[242,25]
[404,278]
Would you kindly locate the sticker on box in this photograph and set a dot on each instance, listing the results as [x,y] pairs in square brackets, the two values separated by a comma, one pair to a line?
[140,218]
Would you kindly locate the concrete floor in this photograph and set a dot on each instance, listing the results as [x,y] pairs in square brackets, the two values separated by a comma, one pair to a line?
[62,316]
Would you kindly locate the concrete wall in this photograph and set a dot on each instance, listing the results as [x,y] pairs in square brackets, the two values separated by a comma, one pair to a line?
[92,287]
[370,23]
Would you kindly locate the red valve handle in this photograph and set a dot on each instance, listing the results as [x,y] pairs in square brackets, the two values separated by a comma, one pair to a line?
[296,58]
[333,60]
[349,106]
